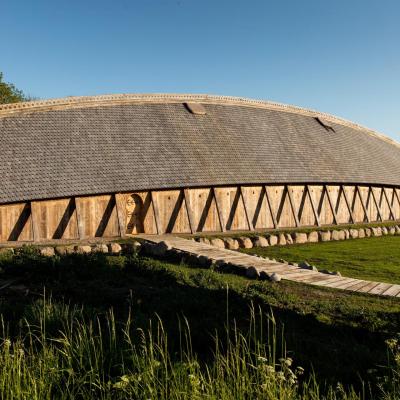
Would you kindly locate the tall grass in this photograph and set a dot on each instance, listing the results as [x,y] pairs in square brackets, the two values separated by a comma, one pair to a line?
[60,353]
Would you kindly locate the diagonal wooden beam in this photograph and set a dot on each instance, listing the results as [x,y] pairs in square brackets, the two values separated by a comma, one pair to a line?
[156,212]
[175,212]
[246,210]
[65,219]
[357,191]
[314,208]
[292,205]
[189,210]
[388,203]
[219,210]
[346,199]
[271,210]
[370,188]
[20,223]
[233,209]
[258,207]
[335,218]
[397,195]
[105,218]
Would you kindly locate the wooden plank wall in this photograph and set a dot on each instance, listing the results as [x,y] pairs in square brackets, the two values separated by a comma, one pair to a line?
[198,210]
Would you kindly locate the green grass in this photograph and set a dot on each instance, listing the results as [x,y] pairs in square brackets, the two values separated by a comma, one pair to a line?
[307,229]
[317,325]
[376,259]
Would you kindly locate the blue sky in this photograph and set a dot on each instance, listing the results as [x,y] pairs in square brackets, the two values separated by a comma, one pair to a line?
[341,57]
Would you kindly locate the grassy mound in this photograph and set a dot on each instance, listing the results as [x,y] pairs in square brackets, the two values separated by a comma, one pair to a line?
[101,335]
[375,258]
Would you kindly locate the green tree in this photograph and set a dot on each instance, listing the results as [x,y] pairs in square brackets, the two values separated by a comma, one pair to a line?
[9,93]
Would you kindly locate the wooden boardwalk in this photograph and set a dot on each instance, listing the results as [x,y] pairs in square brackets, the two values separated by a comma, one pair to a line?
[286,271]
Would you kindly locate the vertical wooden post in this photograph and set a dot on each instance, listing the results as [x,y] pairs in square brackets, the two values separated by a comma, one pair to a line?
[271,210]
[120,203]
[346,199]
[156,212]
[189,210]
[35,221]
[219,210]
[313,206]
[378,208]
[331,204]
[79,218]
[362,203]
[246,211]
[389,203]
[292,205]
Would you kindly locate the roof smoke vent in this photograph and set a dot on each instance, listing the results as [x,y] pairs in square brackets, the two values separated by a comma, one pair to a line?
[196,108]
[328,127]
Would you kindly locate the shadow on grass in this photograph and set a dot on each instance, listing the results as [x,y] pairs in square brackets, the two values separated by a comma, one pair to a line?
[148,288]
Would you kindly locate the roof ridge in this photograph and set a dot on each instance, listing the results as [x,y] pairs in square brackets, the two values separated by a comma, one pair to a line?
[110,99]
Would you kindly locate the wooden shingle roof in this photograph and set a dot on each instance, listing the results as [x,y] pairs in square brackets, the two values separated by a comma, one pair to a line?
[104,144]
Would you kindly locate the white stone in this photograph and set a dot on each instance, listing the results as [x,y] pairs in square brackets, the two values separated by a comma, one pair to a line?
[115,248]
[83,249]
[299,237]
[289,239]
[63,250]
[245,242]
[325,236]
[47,251]
[361,233]
[217,243]
[282,239]
[161,248]
[376,231]
[100,248]
[231,244]
[261,241]
[204,240]
[335,235]
[313,237]
[353,233]
[275,277]
[368,232]
[252,273]
[273,240]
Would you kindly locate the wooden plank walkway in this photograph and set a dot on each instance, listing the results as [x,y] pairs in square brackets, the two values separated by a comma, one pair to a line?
[286,271]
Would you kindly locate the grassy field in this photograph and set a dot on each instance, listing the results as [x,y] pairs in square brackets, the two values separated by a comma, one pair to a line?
[100,335]
[376,259]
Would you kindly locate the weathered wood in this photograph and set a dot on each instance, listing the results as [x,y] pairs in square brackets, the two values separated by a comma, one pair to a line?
[357,191]
[287,272]
[189,210]
[313,206]
[79,218]
[156,212]
[246,210]
[271,210]
[332,206]
[389,204]
[292,205]
[348,205]
[120,201]
[35,221]
[378,208]
[219,210]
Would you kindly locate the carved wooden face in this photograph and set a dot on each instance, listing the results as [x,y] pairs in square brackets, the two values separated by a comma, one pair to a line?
[134,214]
